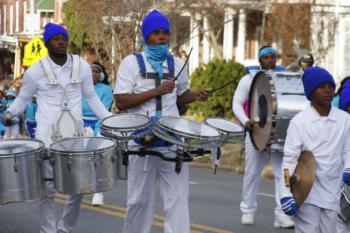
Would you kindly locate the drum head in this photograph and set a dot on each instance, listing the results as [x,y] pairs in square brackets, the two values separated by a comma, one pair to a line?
[19,146]
[83,144]
[224,125]
[187,127]
[126,121]
[303,178]
[260,110]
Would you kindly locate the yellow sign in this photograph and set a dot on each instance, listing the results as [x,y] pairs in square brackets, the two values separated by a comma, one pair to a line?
[33,51]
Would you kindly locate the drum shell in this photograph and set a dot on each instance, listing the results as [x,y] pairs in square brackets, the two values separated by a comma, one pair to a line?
[122,170]
[287,107]
[344,210]
[83,173]
[23,184]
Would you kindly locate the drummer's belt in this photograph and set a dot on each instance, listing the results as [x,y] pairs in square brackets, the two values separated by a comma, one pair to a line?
[151,140]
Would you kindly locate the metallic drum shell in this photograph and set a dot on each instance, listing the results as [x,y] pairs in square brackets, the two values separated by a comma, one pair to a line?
[83,172]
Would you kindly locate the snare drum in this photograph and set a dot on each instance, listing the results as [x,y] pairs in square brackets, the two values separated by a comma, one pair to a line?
[274,99]
[344,211]
[122,127]
[21,177]
[186,133]
[229,131]
[84,165]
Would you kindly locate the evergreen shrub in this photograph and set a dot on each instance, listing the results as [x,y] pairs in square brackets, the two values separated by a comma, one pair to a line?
[210,76]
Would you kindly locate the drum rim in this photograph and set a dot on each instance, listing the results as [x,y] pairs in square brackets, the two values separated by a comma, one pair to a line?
[80,151]
[184,133]
[124,129]
[42,146]
[222,130]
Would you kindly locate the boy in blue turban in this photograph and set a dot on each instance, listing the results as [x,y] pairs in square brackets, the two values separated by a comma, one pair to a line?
[323,130]
[145,85]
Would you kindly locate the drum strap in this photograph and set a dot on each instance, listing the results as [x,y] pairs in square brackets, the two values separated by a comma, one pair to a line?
[51,76]
[155,77]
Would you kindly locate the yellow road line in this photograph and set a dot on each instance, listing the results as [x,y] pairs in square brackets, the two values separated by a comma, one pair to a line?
[61,198]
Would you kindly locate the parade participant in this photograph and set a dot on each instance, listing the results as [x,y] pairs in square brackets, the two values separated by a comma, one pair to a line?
[306,61]
[104,92]
[2,110]
[13,131]
[30,122]
[324,131]
[155,94]
[342,101]
[336,102]
[255,160]
[59,82]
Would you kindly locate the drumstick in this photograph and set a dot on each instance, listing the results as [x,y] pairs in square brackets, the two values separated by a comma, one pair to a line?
[286,177]
[183,67]
[221,87]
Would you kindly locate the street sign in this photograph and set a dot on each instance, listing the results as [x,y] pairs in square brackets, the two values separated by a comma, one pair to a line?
[34,50]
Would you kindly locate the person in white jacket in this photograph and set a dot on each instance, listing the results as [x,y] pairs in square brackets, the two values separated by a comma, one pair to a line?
[63,88]
[325,131]
[254,159]
[154,92]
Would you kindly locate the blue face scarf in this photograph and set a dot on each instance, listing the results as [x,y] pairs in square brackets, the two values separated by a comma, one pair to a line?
[155,55]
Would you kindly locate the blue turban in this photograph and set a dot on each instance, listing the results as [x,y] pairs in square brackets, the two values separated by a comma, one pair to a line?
[52,30]
[314,77]
[267,50]
[345,95]
[155,20]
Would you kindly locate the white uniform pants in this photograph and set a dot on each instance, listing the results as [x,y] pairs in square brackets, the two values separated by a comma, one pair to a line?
[312,219]
[143,175]
[254,164]
[342,227]
[47,208]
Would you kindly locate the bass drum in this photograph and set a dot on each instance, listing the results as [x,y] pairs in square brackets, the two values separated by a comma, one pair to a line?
[274,99]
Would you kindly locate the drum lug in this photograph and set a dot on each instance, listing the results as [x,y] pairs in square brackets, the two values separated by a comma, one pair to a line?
[15,166]
[113,158]
[69,162]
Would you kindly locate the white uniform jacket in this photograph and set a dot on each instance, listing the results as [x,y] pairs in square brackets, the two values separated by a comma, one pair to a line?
[49,97]
[240,96]
[130,81]
[328,139]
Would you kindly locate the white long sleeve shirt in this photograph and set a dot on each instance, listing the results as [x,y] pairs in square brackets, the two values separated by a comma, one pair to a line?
[130,81]
[328,139]
[240,96]
[49,97]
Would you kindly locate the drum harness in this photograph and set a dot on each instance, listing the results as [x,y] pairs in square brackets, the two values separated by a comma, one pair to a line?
[181,156]
[74,80]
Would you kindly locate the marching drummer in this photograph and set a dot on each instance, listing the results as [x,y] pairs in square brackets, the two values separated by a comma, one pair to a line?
[59,81]
[145,86]
[324,131]
[255,160]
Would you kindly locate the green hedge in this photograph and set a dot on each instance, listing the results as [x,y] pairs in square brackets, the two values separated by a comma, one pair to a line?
[212,75]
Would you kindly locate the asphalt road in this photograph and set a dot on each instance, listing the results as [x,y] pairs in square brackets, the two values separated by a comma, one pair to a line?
[214,208]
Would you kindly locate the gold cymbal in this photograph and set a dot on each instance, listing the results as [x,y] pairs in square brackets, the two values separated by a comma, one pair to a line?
[303,178]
